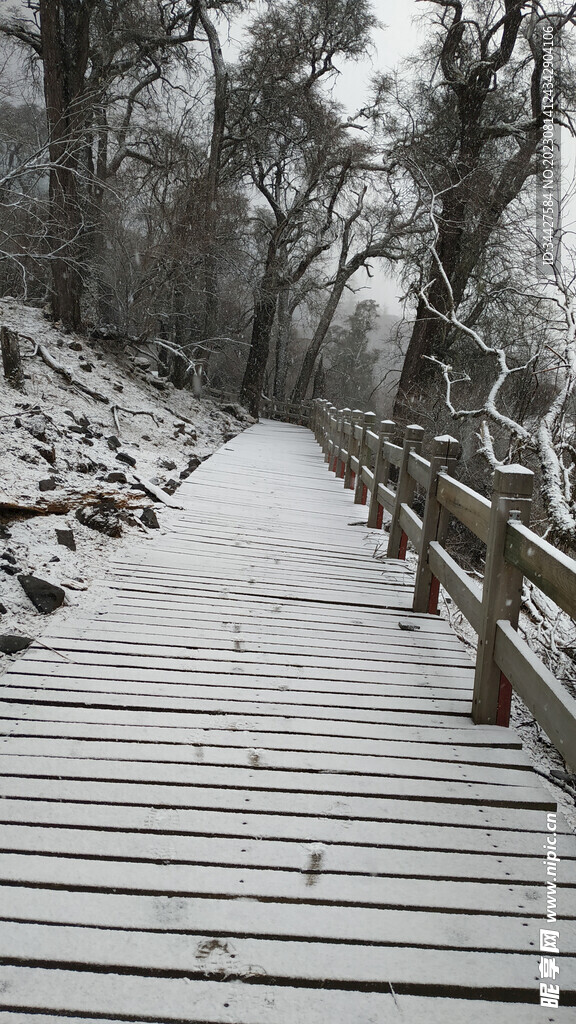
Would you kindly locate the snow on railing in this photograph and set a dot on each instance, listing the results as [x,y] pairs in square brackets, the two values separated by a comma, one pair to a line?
[363,454]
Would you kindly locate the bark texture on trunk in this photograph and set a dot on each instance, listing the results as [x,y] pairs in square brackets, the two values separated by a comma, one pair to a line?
[264,313]
[64,31]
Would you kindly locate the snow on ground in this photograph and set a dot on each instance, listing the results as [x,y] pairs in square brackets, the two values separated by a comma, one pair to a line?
[54,435]
[53,431]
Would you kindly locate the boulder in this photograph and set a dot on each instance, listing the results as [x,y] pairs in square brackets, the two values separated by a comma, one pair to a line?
[103,517]
[10,643]
[149,519]
[45,596]
[66,539]
[128,460]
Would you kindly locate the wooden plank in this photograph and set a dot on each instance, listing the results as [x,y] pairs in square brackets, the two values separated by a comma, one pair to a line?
[419,469]
[386,497]
[219,704]
[351,860]
[548,700]
[211,881]
[165,823]
[481,743]
[552,571]
[469,507]
[392,452]
[176,955]
[290,1004]
[410,766]
[251,772]
[243,652]
[437,750]
[179,674]
[497,814]
[411,524]
[466,594]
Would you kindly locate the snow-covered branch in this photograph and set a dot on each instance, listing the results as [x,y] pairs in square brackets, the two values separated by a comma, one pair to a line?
[549,437]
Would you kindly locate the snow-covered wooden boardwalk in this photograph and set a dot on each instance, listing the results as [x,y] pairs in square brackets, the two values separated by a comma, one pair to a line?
[245,792]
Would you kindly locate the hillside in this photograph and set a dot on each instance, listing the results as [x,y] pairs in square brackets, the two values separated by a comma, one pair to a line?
[72,461]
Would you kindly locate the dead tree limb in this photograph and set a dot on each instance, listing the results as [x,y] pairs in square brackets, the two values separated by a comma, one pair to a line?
[68,376]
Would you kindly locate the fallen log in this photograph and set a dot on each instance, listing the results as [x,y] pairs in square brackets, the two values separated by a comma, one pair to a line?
[68,376]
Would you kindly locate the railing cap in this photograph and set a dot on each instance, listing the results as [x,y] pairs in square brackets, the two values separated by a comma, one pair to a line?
[516,481]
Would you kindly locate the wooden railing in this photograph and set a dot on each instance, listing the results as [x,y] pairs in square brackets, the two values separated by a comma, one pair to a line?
[363,453]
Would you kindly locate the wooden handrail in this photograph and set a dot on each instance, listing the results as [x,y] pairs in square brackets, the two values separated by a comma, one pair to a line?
[513,551]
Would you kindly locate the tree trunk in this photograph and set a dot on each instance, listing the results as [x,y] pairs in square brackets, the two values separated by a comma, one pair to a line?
[210,270]
[307,369]
[264,313]
[11,358]
[283,322]
[64,29]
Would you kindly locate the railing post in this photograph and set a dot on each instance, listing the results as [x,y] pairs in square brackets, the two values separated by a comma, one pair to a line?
[381,473]
[413,440]
[445,451]
[319,420]
[363,455]
[330,433]
[356,418]
[337,466]
[501,594]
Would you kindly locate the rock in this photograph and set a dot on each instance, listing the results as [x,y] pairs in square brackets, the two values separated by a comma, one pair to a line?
[3,609]
[113,443]
[103,517]
[9,557]
[45,596]
[87,367]
[47,485]
[36,425]
[142,363]
[75,346]
[117,478]
[193,463]
[235,410]
[171,485]
[118,387]
[75,428]
[129,460]
[12,644]
[10,570]
[167,464]
[149,519]
[66,539]
[47,453]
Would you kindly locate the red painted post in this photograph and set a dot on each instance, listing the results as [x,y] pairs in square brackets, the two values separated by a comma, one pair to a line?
[413,440]
[381,474]
[445,450]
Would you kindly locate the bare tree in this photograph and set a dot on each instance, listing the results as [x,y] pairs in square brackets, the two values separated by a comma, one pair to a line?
[295,145]
[547,433]
[486,112]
